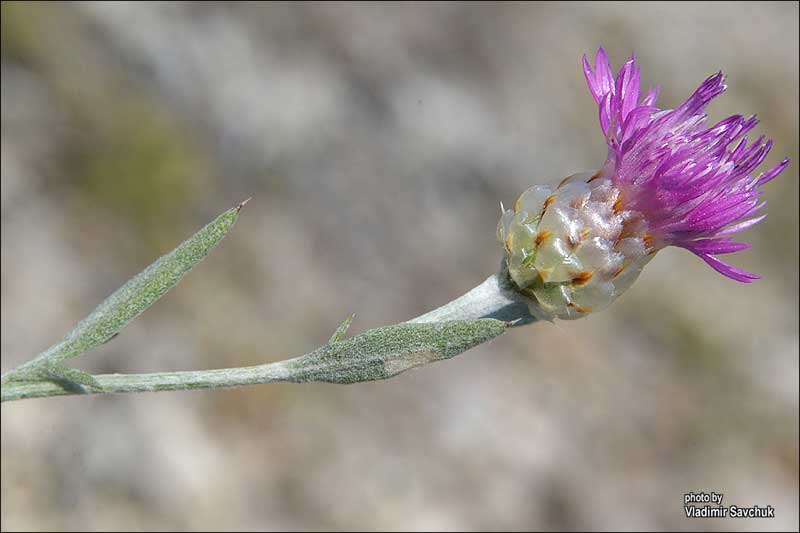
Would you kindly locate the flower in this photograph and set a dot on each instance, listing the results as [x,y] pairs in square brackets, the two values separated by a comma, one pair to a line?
[692,184]
[668,180]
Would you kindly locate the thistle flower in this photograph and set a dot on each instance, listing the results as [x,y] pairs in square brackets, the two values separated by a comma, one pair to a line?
[570,250]
[668,180]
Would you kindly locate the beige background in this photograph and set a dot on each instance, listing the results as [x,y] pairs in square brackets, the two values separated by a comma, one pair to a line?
[377,141]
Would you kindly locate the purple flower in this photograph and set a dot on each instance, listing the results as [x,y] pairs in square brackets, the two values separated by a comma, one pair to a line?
[691,185]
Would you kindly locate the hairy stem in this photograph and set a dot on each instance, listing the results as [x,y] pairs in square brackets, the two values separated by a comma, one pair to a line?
[476,317]
[494,298]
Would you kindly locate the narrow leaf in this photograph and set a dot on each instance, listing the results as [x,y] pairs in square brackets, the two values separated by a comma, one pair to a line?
[139,293]
[342,329]
[67,375]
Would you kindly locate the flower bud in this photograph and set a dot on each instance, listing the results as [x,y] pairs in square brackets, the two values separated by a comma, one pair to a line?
[572,249]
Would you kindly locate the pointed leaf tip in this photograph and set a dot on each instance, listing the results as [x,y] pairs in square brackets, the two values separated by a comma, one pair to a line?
[135,296]
[340,332]
[242,204]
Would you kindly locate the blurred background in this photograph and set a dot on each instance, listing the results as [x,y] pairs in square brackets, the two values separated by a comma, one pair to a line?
[377,141]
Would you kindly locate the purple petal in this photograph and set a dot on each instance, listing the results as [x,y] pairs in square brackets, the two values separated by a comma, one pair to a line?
[727,270]
[742,225]
[652,96]
[716,246]
[773,172]
[604,76]
[589,74]
[627,88]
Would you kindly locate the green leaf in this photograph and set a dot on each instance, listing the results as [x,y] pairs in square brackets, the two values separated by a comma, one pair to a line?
[70,376]
[384,352]
[342,329]
[139,293]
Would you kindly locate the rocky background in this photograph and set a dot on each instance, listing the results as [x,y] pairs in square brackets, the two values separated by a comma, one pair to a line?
[377,141]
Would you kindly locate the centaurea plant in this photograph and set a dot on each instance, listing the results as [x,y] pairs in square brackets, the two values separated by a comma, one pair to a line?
[570,250]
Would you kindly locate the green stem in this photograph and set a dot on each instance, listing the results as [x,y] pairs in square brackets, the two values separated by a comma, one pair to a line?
[379,353]
[494,298]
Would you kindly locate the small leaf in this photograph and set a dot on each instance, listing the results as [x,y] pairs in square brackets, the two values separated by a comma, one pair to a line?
[50,371]
[341,330]
[61,374]
[139,293]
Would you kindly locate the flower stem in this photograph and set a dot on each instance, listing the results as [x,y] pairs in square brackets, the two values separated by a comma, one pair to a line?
[476,317]
[494,298]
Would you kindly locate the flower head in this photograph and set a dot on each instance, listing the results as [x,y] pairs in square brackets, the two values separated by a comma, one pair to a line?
[668,180]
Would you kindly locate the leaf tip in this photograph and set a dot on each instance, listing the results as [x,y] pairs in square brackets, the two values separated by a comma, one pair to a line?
[242,204]
[340,332]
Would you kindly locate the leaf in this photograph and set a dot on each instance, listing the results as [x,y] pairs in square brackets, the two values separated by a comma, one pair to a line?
[139,293]
[70,376]
[340,332]
[384,352]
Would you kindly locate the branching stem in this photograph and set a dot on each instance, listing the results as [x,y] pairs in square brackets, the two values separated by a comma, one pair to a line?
[476,317]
